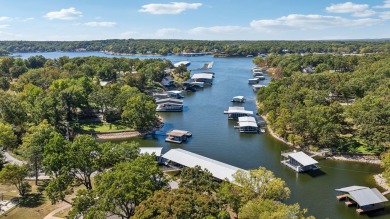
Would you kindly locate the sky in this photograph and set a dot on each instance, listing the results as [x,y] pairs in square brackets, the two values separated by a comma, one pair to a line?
[68,20]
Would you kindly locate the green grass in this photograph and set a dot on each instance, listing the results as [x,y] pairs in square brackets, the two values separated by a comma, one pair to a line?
[363,150]
[103,127]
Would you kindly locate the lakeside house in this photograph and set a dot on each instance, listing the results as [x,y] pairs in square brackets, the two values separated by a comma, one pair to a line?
[366,199]
[299,161]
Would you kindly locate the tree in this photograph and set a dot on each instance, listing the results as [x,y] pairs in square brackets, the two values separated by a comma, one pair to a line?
[33,144]
[2,160]
[266,208]
[14,174]
[83,159]
[178,203]
[7,137]
[140,112]
[385,163]
[261,183]
[197,179]
[231,195]
[124,187]
[113,153]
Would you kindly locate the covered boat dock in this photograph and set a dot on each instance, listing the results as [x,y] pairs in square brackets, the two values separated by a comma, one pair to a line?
[234,112]
[366,199]
[178,136]
[182,158]
[299,161]
[248,124]
[203,77]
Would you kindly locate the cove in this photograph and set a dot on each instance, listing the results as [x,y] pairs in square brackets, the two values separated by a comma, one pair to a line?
[214,136]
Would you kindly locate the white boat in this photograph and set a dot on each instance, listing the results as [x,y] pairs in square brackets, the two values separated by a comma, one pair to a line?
[239,99]
[260,77]
[169,107]
[253,81]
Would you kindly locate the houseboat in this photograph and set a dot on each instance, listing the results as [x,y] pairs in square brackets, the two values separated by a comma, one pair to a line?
[239,99]
[366,199]
[256,87]
[169,105]
[234,112]
[175,94]
[299,161]
[186,63]
[260,77]
[248,124]
[257,74]
[253,81]
[206,78]
[178,136]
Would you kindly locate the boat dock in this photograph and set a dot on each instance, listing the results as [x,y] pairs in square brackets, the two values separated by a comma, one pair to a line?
[366,199]
[234,112]
[299,161]
[178,136]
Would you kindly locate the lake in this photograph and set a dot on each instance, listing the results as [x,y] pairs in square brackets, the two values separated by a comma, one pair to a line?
[214,136]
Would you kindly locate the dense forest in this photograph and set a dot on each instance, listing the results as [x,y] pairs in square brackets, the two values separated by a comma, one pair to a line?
[342,103]
[219,48]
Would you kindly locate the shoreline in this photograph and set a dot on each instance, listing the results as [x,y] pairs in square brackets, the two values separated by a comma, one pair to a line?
[117,135]
[382,182]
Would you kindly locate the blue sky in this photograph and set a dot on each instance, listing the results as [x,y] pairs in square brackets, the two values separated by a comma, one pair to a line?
[195,19]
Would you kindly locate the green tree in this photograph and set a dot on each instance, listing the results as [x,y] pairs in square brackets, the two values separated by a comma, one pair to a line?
[114,153]
[33,145]
[197,179]
[178,203]
[2,160]
[266,208]
[124,187]
[7,137]
[14,174]
[140,112]
[261,183]
[83,159]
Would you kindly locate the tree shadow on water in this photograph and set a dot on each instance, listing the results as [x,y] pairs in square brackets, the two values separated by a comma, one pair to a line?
[32,200]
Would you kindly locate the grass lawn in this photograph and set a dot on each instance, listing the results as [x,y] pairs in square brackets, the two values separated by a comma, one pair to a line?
[103,127]
[363,150]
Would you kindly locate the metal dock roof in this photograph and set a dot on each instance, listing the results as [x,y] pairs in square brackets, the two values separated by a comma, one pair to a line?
[303,158]
[367,196]
[150,150]
[218,169]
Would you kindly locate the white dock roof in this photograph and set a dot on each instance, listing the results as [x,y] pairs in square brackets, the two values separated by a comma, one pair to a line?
[202,75]
[236,109]
[351,188]
[368,196]
[150,150]
[303,158]
[246,119]
[218,169]
[186,63]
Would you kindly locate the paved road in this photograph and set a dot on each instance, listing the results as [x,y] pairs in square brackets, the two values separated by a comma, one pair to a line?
[12,160]
[62,206]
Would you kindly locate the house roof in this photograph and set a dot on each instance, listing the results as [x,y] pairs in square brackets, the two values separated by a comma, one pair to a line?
[367,196]
[303,158]
[202,75]
[218,169]
[150,150]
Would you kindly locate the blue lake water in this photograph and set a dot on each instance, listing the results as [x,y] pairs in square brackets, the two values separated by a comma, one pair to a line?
[214,136]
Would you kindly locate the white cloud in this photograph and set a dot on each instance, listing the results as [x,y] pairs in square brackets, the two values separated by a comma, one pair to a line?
[64,14]
[307,22]
[168,32]
[3,18]
[171,8]
[218,30]
[100,24]
[385,15]
[4,25]
[357,10]
[386,4]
